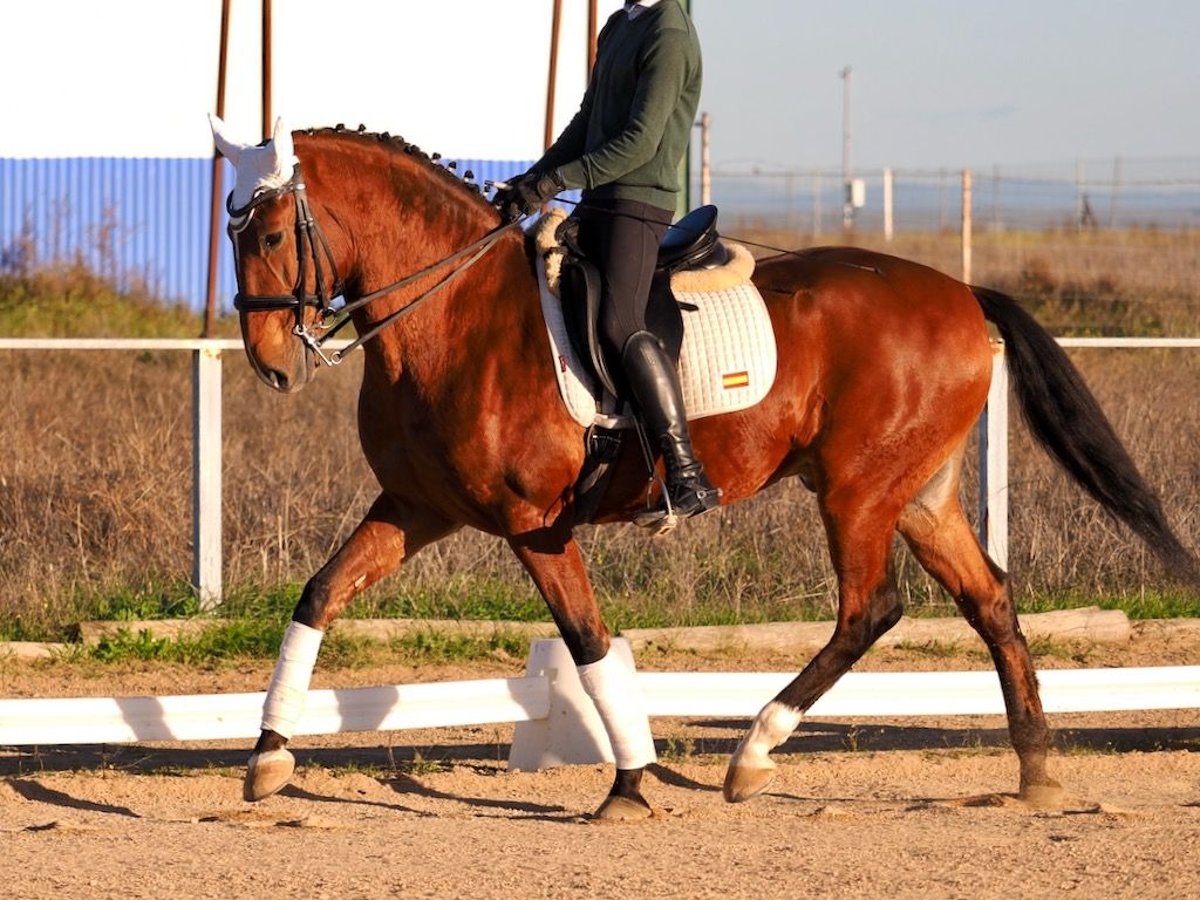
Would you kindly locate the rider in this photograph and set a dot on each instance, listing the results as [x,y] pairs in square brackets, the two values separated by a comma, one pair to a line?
[623,148]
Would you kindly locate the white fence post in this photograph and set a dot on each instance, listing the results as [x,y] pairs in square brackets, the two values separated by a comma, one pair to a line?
[571,733]
[966,226]
[993,463]
[206,475]
[889,228]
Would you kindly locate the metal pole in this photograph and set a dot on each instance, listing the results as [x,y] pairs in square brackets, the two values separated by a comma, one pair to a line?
[705,162]
[847,204]
[591,38]
[1116,189]
[266,69]
[548,132]
[214,218]
[684,203]
[1080,194]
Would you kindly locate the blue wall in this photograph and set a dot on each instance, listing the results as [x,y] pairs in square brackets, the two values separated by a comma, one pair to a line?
[134,220]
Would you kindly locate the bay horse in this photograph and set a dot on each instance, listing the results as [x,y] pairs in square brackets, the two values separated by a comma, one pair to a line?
[884,367]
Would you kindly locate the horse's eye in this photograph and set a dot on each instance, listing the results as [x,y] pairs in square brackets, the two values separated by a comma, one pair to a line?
[273,240]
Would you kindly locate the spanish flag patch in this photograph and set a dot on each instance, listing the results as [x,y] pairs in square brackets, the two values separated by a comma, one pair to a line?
[732,380]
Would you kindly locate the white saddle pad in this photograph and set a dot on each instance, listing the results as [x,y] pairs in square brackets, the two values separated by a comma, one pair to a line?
[727,363]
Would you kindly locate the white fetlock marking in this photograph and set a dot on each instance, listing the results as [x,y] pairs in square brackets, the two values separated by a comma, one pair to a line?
[774,723]
[289,684]
[614,689]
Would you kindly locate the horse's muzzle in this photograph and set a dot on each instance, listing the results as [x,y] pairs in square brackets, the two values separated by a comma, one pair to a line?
[285,375]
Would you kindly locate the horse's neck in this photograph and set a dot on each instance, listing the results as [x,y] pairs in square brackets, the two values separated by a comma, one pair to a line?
[487,306]
[398,215]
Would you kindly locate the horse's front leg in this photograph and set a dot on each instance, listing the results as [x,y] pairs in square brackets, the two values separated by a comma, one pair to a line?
[553,560]
[390,532]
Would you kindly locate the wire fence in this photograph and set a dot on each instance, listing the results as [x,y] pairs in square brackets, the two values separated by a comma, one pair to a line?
[1156,194]
[144,223]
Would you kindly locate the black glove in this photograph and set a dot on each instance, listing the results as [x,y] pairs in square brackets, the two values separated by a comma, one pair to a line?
[527,193]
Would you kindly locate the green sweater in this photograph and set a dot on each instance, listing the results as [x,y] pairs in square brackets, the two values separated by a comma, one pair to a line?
[633,126]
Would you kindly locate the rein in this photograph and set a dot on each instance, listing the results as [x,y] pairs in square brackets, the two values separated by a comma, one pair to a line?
[310,237]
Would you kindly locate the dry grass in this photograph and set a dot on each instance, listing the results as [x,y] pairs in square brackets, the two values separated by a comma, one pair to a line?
[95,514]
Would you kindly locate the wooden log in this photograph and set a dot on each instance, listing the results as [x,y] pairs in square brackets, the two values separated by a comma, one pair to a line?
[391,629]
[1084,624]
[1088,624]
[90,633]
[26,650]
[383,630]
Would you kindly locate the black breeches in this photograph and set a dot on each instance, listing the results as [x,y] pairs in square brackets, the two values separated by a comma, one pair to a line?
[622,238]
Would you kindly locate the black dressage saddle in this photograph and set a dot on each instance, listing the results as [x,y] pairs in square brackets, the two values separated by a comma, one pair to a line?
[691,243]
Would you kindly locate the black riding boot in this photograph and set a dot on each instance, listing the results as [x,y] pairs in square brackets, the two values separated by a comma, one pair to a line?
[655,385]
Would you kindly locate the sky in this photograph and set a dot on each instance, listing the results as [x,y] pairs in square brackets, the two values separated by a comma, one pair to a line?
[934,83]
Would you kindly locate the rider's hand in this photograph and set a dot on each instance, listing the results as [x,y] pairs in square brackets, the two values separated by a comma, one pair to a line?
[527,193]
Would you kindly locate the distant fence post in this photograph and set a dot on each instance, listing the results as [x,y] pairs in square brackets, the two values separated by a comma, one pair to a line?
[888,224]
[993,463]
[206,475]
[966,226]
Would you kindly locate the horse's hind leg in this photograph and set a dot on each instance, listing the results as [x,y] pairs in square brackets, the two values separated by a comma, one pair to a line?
[389,533]
[940,537]
[552,558]
[860,531]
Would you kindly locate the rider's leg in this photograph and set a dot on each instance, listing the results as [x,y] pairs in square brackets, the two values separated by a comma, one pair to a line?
[623,236]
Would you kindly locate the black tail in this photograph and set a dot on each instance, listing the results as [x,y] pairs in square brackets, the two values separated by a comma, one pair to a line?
[1068,422]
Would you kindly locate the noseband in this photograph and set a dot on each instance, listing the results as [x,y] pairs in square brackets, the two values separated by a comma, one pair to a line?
[312,245]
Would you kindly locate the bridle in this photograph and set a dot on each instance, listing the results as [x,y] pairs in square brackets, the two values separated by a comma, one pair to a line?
[311,244]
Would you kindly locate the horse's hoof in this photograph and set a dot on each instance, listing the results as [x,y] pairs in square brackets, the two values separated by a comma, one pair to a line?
[744,782]
[1043,796]
[267,773]
[622,809]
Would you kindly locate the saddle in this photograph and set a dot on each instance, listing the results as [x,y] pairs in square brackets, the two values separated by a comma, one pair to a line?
[690,244]
[697,274]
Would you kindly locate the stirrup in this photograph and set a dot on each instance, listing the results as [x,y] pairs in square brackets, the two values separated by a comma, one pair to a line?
[664,519]
[658,521]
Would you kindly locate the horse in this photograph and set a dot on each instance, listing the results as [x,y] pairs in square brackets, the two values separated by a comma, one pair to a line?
[884,368]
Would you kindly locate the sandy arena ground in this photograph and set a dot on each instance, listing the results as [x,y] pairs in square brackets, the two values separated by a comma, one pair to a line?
[904,808]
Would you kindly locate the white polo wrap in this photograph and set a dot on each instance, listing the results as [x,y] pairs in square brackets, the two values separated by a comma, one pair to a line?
[774,723]
[614,690]
[289,684]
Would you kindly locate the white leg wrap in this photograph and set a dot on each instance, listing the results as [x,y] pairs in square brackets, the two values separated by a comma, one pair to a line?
[289,684]
[771,728]
[614,689]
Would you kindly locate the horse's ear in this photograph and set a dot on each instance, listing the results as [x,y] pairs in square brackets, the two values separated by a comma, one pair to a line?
[231,150]
[281,140]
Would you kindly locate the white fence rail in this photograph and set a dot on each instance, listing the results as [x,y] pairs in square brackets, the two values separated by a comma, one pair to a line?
[206,439]
[556,723]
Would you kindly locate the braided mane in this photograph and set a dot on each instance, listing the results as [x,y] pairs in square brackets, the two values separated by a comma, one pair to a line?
[398,145]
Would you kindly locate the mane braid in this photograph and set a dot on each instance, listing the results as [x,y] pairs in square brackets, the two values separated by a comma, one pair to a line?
[397,144]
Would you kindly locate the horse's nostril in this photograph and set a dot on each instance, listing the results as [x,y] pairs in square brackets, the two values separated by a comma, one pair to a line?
[277,379]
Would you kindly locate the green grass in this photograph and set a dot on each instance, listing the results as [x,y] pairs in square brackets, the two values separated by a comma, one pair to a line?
[258,622]
[224,642]
[1161,603]
[258,639]
[67,299]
